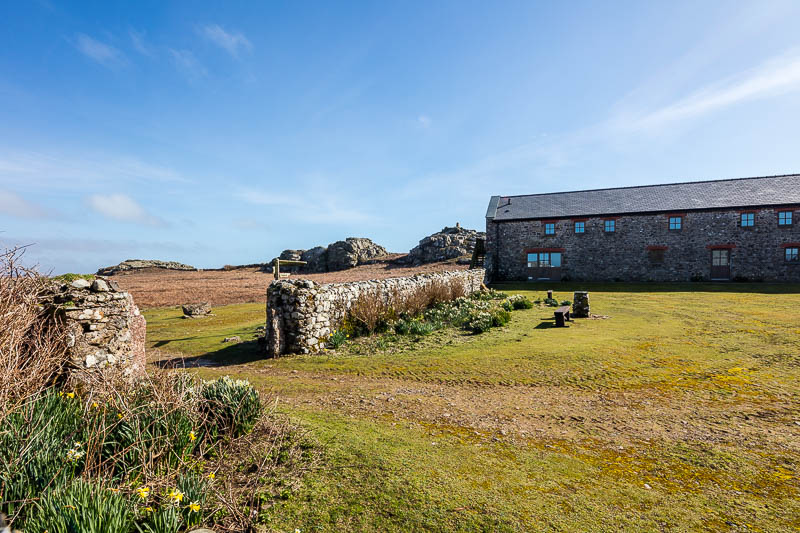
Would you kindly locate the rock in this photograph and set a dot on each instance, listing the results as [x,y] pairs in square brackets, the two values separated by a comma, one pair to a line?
[317,259]
[139,264]
[80,283]
[196,310]
[235,339]
[580,304]
[351,252]
[100,285]
[447,244]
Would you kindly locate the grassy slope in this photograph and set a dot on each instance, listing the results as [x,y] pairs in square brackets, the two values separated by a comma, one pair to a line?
[721,351]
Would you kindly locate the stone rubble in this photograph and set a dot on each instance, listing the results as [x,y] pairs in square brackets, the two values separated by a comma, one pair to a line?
[302,314]
[196,310]
[139,264]
[449,243]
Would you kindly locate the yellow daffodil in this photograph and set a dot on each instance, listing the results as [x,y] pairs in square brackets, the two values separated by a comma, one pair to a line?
[70,395]
[143,492]
[194,507]
[94,405]
[176,495]
[192,436]
[119,415]
[149,509]
[211,475]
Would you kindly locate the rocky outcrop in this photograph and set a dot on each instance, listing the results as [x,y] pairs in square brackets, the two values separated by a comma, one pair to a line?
[339,255]
[196,310]
[105,330]
[447,244]
[139,264]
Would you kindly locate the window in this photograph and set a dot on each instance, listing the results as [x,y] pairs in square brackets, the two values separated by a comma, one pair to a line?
[544,260]
[792,255]
[610,226]
[550,228]
[580,227]
[675,223]
[748,220]
[656,255]
[719,258]
[533,260]
[784,218]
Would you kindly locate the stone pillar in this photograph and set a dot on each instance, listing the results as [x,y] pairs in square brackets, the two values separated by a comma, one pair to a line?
[105,330]
[580,304]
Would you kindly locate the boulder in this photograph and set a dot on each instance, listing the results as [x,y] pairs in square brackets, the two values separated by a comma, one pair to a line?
[352,252]
[196,310]
[449,243]
[317,259]
[138,264]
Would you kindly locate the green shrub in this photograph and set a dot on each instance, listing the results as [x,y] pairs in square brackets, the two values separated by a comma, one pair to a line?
[338,338]
[402,326]
[552,302]
[419,327]
[480,322]
[518,301]
[500,317]
[566,302]
[507,305]
[488,295]
[81,507]
[230,406]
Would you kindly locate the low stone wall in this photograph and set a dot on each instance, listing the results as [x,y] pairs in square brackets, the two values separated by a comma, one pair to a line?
[301,314]
[105,329]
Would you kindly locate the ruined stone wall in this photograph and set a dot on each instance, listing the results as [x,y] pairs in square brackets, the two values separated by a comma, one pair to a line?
[301,314]
[756,253]
[105,329]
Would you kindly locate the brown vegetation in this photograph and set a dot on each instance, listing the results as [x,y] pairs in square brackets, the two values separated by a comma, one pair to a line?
[161,288]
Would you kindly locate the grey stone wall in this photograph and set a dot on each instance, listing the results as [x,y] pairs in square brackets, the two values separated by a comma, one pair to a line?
[105,329]
[756,253]
[301,314]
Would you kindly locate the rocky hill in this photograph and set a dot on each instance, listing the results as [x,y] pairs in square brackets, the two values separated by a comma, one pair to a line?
[339,255]
[449,243]
[141,264]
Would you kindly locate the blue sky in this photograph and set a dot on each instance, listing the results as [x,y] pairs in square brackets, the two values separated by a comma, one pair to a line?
[214,133]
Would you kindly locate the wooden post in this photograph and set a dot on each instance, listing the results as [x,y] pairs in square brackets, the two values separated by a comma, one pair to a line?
[276,269]
[550,294]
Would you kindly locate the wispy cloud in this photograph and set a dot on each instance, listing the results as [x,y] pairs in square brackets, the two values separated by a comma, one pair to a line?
[15,205]
[102,53]
[231,42]
[188,64]
[321,206]
[140,44]
[123,208]
[52,170]
[774,77]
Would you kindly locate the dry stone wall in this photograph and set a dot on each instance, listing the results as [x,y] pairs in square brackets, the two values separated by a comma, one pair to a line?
[302,314]
[105,329]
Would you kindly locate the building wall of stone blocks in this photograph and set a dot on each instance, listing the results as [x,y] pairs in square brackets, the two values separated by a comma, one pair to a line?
[302,314]
[105,330]
[756,253]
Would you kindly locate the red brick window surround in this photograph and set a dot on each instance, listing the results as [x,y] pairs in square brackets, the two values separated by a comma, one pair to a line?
[656,254]
[785,218]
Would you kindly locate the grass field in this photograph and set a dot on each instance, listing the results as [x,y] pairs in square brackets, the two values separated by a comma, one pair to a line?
[679,412]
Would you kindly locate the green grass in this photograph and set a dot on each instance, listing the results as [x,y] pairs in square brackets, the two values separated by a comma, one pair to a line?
[687,396]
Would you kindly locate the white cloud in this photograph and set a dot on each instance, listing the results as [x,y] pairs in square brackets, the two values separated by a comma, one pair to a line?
[15,205]
[103,53]
[773,78]
[187,63]
[140,44]
[123,208]
[231,42]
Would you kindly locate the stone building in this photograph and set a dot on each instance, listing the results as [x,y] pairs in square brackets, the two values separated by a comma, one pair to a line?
[738,229]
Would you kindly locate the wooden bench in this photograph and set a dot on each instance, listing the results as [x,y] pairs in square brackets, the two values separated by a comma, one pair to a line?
[562,316]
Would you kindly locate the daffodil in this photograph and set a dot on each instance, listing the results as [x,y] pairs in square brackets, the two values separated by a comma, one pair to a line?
[143,492]
[119,415]
[176,495]
[211,475]
[194,507]
[149,509]
[94,405]
[70,395]
[192,436]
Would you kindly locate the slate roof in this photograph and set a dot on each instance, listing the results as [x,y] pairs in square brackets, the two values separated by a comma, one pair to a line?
[742,192]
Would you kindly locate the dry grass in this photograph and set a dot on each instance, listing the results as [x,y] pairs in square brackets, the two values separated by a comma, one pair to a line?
[161,288]
[32,347]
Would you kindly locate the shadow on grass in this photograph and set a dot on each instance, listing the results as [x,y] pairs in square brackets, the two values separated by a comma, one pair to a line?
[235,354]
[569,286]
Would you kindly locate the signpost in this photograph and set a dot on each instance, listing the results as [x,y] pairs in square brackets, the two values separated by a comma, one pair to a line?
[276,267]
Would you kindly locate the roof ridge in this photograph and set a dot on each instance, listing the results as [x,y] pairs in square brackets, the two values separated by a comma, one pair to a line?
[651,185]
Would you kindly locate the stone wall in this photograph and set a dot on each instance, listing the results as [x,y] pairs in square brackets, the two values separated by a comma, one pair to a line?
[105,329]
[301,314]
[631,253]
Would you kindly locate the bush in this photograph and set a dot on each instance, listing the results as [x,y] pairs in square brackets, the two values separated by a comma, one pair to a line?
[370,313]
[518,301]
[480,322]
[231,405]
[552,302]
[81,506]
[500,317]
[488,294]
[566,302]
[419,327]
